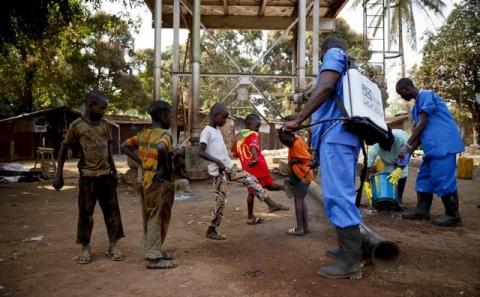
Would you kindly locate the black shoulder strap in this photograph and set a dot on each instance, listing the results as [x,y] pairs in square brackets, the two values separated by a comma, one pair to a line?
[363,174]
[340,105]
[349,63]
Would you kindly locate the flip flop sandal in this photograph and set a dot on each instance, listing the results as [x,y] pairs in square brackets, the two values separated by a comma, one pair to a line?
[254,221]
[294,232]
[115,255]
[278,207]
[83,259]
[161,264]
[216,236]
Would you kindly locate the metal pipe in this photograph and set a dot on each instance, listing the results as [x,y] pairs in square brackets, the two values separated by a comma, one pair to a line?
[365,32]
[388,26]
[175,65]
[195,133]
[315,27]
[375,247]
[294,62]
[157,70]
[268,100]
[228,74]
[301,28]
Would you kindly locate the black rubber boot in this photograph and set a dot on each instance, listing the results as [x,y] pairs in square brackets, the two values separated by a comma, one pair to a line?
[347,263]
[333,253]
[422,211]
[452,215]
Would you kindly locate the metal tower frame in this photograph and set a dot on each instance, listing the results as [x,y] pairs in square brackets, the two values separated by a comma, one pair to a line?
[376,33]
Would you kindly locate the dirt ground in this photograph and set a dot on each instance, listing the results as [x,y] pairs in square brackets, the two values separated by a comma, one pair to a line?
[258,260]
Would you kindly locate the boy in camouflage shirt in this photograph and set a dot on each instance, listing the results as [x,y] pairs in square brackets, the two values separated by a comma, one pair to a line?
[98,175]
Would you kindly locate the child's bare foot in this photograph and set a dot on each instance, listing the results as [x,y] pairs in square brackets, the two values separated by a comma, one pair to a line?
[212,234]
[254,220]
[85,256]
[114,253]
[296,232]
[274,206]
[277,207]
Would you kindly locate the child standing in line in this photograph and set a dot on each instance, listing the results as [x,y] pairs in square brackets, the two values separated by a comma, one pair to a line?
[155,148]
[212,148]
[248,148]
[98,175]
[301,175]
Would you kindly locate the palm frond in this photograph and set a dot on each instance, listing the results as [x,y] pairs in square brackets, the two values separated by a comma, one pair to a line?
[437,6]
[357,3]
[426,12]
[411,28]
[394,26]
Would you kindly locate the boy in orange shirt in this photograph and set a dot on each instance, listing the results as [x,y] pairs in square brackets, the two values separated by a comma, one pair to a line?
[301,175]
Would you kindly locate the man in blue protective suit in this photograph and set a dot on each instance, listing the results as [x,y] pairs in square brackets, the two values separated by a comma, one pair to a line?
[337,150]
[436,130]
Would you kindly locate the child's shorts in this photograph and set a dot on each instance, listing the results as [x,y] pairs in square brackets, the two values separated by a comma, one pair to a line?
[264,181]
[299,187]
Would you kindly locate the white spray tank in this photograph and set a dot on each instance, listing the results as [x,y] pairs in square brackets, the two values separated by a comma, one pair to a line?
[363,98]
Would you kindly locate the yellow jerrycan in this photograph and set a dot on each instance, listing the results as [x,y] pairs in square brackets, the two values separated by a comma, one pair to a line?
[465,168]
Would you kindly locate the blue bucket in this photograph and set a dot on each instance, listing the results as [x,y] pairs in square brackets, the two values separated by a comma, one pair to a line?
[383,191]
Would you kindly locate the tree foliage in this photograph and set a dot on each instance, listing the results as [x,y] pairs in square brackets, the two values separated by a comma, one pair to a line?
[60,63]
[451,61]
[29,37]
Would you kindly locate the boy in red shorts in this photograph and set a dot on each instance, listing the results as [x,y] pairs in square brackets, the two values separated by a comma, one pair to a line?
[248,148]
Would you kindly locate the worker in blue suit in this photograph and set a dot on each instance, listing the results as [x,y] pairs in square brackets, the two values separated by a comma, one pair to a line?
[337,151]
[436,130]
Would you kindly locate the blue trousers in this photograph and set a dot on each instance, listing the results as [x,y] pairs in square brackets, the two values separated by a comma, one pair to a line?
[338,163]
[437,175]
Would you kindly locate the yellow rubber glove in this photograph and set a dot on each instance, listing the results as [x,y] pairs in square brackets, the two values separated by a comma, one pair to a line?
[367,190]
[395,176]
